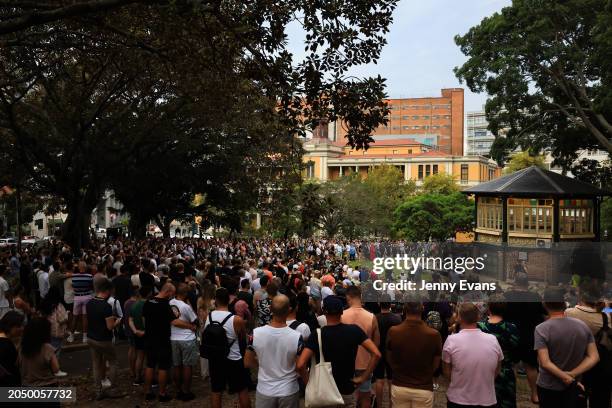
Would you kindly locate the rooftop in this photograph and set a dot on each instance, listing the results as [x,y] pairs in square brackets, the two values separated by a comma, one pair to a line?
[534,181]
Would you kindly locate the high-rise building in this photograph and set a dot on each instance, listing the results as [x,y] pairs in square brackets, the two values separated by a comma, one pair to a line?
[479,138]
[436,121]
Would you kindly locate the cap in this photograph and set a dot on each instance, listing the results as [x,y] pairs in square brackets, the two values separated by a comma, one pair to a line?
[333,305]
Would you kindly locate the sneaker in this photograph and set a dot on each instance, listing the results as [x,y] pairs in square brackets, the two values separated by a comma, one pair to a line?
[70,338]
[164,398]
[149,396]
[106,383]
[61,374]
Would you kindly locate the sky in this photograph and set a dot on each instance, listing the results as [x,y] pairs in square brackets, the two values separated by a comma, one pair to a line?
[420,54]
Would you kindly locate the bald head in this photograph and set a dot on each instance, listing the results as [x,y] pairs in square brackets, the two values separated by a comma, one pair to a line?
[167,290]
[280,306]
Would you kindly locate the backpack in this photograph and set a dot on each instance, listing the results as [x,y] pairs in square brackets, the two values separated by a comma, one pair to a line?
[294,325]
[434,320]
[603,342]
[215,344]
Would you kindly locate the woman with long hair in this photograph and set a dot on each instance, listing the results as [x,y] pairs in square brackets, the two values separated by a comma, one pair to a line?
[52,309]
[39,364]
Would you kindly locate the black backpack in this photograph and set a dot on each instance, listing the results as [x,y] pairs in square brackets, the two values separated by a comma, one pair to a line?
[294,325]
[215,344]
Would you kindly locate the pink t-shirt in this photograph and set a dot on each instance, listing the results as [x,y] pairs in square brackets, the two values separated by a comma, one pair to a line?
[474,356]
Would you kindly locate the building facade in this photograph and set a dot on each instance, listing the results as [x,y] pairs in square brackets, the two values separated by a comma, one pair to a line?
[478,138]
[329,160]
[434,121]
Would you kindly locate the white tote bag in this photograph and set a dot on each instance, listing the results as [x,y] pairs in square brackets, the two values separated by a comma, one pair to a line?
[321,390]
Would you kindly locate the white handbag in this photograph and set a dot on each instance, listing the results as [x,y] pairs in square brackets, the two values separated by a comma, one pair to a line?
[321,390]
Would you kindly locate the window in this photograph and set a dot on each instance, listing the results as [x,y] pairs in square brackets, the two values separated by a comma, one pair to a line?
[576,216]
[416,127]
[427,170]
[425,127]
[395,151]
[435,169]
[435,117]
[464,174]
[409,151]
[405,127]
[405,117]
[420,172]
[310,169]
[415,117]
[425,117]
[489,214]
[531,216]
[396,127]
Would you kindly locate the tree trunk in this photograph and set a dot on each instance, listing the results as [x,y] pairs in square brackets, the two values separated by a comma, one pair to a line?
[137,227]
[75,231]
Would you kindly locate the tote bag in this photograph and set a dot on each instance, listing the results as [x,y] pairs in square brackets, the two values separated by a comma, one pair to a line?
[321,390]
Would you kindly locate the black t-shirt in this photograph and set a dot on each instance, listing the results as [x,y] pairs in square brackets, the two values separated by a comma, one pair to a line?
[146,279]
[524,309]
[123,288]
[158,316]
[8,360]
[385,322]
[98,310]
[340,343]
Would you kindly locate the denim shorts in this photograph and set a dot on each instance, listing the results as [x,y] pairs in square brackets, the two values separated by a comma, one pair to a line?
[365,386]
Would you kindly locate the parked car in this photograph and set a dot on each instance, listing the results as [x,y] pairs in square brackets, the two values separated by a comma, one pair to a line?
[7,242]
[28,240]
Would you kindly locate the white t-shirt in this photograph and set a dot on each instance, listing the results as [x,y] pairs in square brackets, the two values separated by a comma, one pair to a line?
[303,329]
[4,287]
[218,316]
[184,312]
[326,291]
[277,349]
[322,320]
[43,282]
[255,285]
[115,304]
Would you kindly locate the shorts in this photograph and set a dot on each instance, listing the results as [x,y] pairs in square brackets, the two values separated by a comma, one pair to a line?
[365,386]
[228,373]
[265,401]
[527,355]
[80,303]
[185,352]
[139,343]
[159,355]
[382,371]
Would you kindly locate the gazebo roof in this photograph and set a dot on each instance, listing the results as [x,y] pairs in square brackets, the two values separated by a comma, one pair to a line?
[536,182]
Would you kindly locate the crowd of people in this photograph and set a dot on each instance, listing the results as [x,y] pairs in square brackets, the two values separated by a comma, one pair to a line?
[229,307]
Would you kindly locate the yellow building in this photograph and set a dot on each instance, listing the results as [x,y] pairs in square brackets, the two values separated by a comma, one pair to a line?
[329,160]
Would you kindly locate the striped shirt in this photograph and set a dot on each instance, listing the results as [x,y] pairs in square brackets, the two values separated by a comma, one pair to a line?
[82,283]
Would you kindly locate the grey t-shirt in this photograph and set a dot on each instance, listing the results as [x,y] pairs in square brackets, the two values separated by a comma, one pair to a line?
[566,340]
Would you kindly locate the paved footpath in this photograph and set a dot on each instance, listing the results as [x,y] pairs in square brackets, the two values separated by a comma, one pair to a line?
[77,363]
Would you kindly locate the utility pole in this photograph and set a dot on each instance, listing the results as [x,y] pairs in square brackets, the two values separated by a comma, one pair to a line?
[18,217]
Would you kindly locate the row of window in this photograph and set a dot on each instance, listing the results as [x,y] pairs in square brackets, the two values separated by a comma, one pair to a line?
[416,117]
[398,107]
[406,127]
[426,170]
[536,215]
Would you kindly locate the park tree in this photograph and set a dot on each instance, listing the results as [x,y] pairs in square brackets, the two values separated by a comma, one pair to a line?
[85,86]
[546,65]
[522,160]
[439,183]
[433,216]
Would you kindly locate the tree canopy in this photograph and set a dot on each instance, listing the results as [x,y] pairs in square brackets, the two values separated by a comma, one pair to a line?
[163,100]
[547,66]
[522,160]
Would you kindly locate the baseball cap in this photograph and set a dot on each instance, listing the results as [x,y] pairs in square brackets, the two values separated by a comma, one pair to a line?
[333,305]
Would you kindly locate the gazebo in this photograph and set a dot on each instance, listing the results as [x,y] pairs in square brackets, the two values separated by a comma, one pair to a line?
[535,207]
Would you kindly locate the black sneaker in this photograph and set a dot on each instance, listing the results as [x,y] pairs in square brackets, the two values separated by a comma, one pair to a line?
[164,398]
[188,396]
[149,396]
